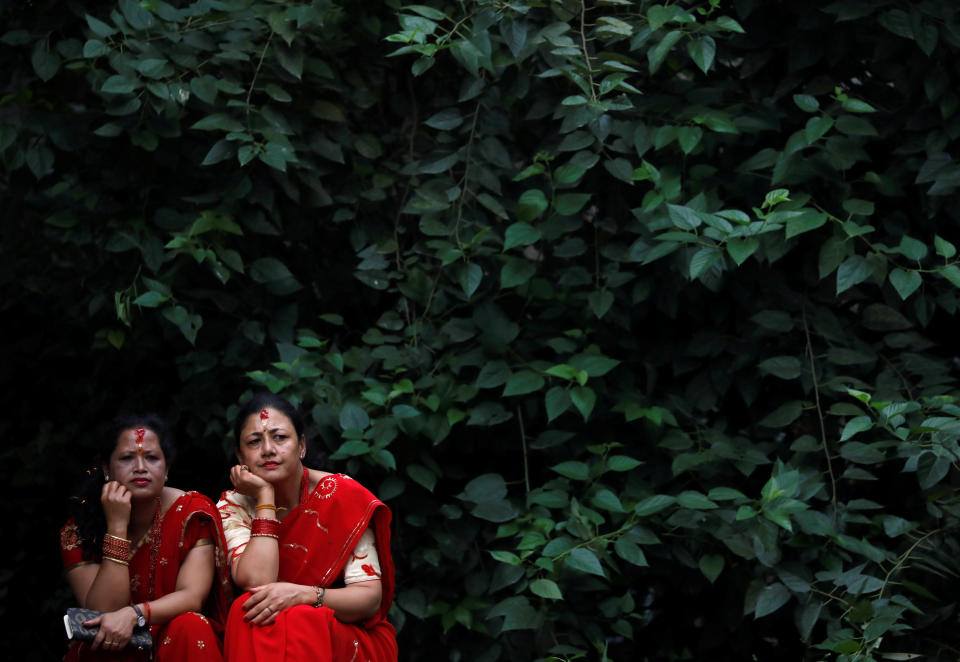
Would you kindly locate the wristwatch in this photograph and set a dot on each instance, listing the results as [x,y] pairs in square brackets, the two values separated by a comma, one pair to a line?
[141,621]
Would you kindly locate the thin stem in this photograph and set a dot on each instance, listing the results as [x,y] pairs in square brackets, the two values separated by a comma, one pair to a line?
[256,74]
[823,427]
[466,174]
[523,443]
[583,46]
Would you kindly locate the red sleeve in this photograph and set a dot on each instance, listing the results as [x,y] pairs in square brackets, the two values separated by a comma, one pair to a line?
[71,550]
[199,526]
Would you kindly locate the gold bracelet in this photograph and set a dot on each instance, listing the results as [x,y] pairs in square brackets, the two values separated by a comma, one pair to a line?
[265,506]
[115,560]
[110,535]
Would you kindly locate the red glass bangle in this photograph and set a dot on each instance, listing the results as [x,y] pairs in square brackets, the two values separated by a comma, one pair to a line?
[147,605]
[116,548]
[265,527]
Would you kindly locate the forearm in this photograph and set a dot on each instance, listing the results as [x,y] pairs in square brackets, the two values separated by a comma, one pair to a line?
[110,589]
[354,602]
[165,609]
[259,564]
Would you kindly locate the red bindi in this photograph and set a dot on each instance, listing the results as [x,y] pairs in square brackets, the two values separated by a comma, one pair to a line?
[264,417]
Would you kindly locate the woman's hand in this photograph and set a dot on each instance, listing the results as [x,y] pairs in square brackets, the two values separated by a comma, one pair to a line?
[116,628]
[246,482]
[115,499]
[267,601]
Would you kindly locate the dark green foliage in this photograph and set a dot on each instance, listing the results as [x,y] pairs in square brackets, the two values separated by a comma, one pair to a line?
[638,315]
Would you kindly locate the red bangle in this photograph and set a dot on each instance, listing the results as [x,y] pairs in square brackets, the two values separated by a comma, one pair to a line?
[115,548]
[265,527]
[147,605]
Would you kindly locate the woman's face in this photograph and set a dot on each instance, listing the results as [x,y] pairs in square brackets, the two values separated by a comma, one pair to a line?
[138,463]
[270,447]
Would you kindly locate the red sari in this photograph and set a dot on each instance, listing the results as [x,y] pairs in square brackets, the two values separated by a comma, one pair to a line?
[154,567]
[316,540]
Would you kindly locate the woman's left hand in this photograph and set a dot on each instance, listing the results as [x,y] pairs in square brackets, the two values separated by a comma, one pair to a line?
[267,601]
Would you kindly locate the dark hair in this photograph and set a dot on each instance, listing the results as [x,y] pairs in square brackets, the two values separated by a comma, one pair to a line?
[262,401]
[85,508]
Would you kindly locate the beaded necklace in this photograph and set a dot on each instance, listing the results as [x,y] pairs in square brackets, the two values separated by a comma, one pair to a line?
[154,547]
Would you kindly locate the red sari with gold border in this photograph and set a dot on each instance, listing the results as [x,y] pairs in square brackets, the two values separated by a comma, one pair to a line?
[154,567]
[316,539]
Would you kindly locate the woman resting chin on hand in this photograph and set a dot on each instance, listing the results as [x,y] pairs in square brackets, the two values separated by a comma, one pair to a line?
[142,552]
[311,548]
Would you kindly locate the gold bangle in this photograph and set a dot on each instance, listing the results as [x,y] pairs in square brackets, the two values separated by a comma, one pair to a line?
[110,535]
[115,560]
[265,506]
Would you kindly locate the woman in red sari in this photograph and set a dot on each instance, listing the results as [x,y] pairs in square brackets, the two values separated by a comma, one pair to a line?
[170,575]
[311,548]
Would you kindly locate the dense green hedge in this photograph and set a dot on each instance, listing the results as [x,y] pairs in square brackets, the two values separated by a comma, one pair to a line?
[638,315]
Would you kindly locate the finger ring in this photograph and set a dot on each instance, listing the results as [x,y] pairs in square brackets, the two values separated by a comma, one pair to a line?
[270,608]
[244,467]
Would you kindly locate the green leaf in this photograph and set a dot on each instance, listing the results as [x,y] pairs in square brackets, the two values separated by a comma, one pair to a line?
[46,63]
[493,374]
[741,249]
[546,588]
[216,122]
[531,205]
[595,365]
[806,103]
[817,127]
[622,463]
[600,302]
[729,24]
[657,55]
[857,106]
[911,248]
[572,469]
[711,565]
[702,260]
[354,417]
[523,382]
[944,248]
[952,273]
[771,598]
[520,234]
[607,500]
[138,17]
[423,476]
[630,552]
[98,27]
[784,367]
[852,271]
[654,504]
[905,282]
[583,560]
[695,501]
[568,204]
[583,399]
[516,272]
[118,85]
[470,277]
[775,197]
[783,415]
[94,48]
[702,51]
[517,613]
[557,401]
